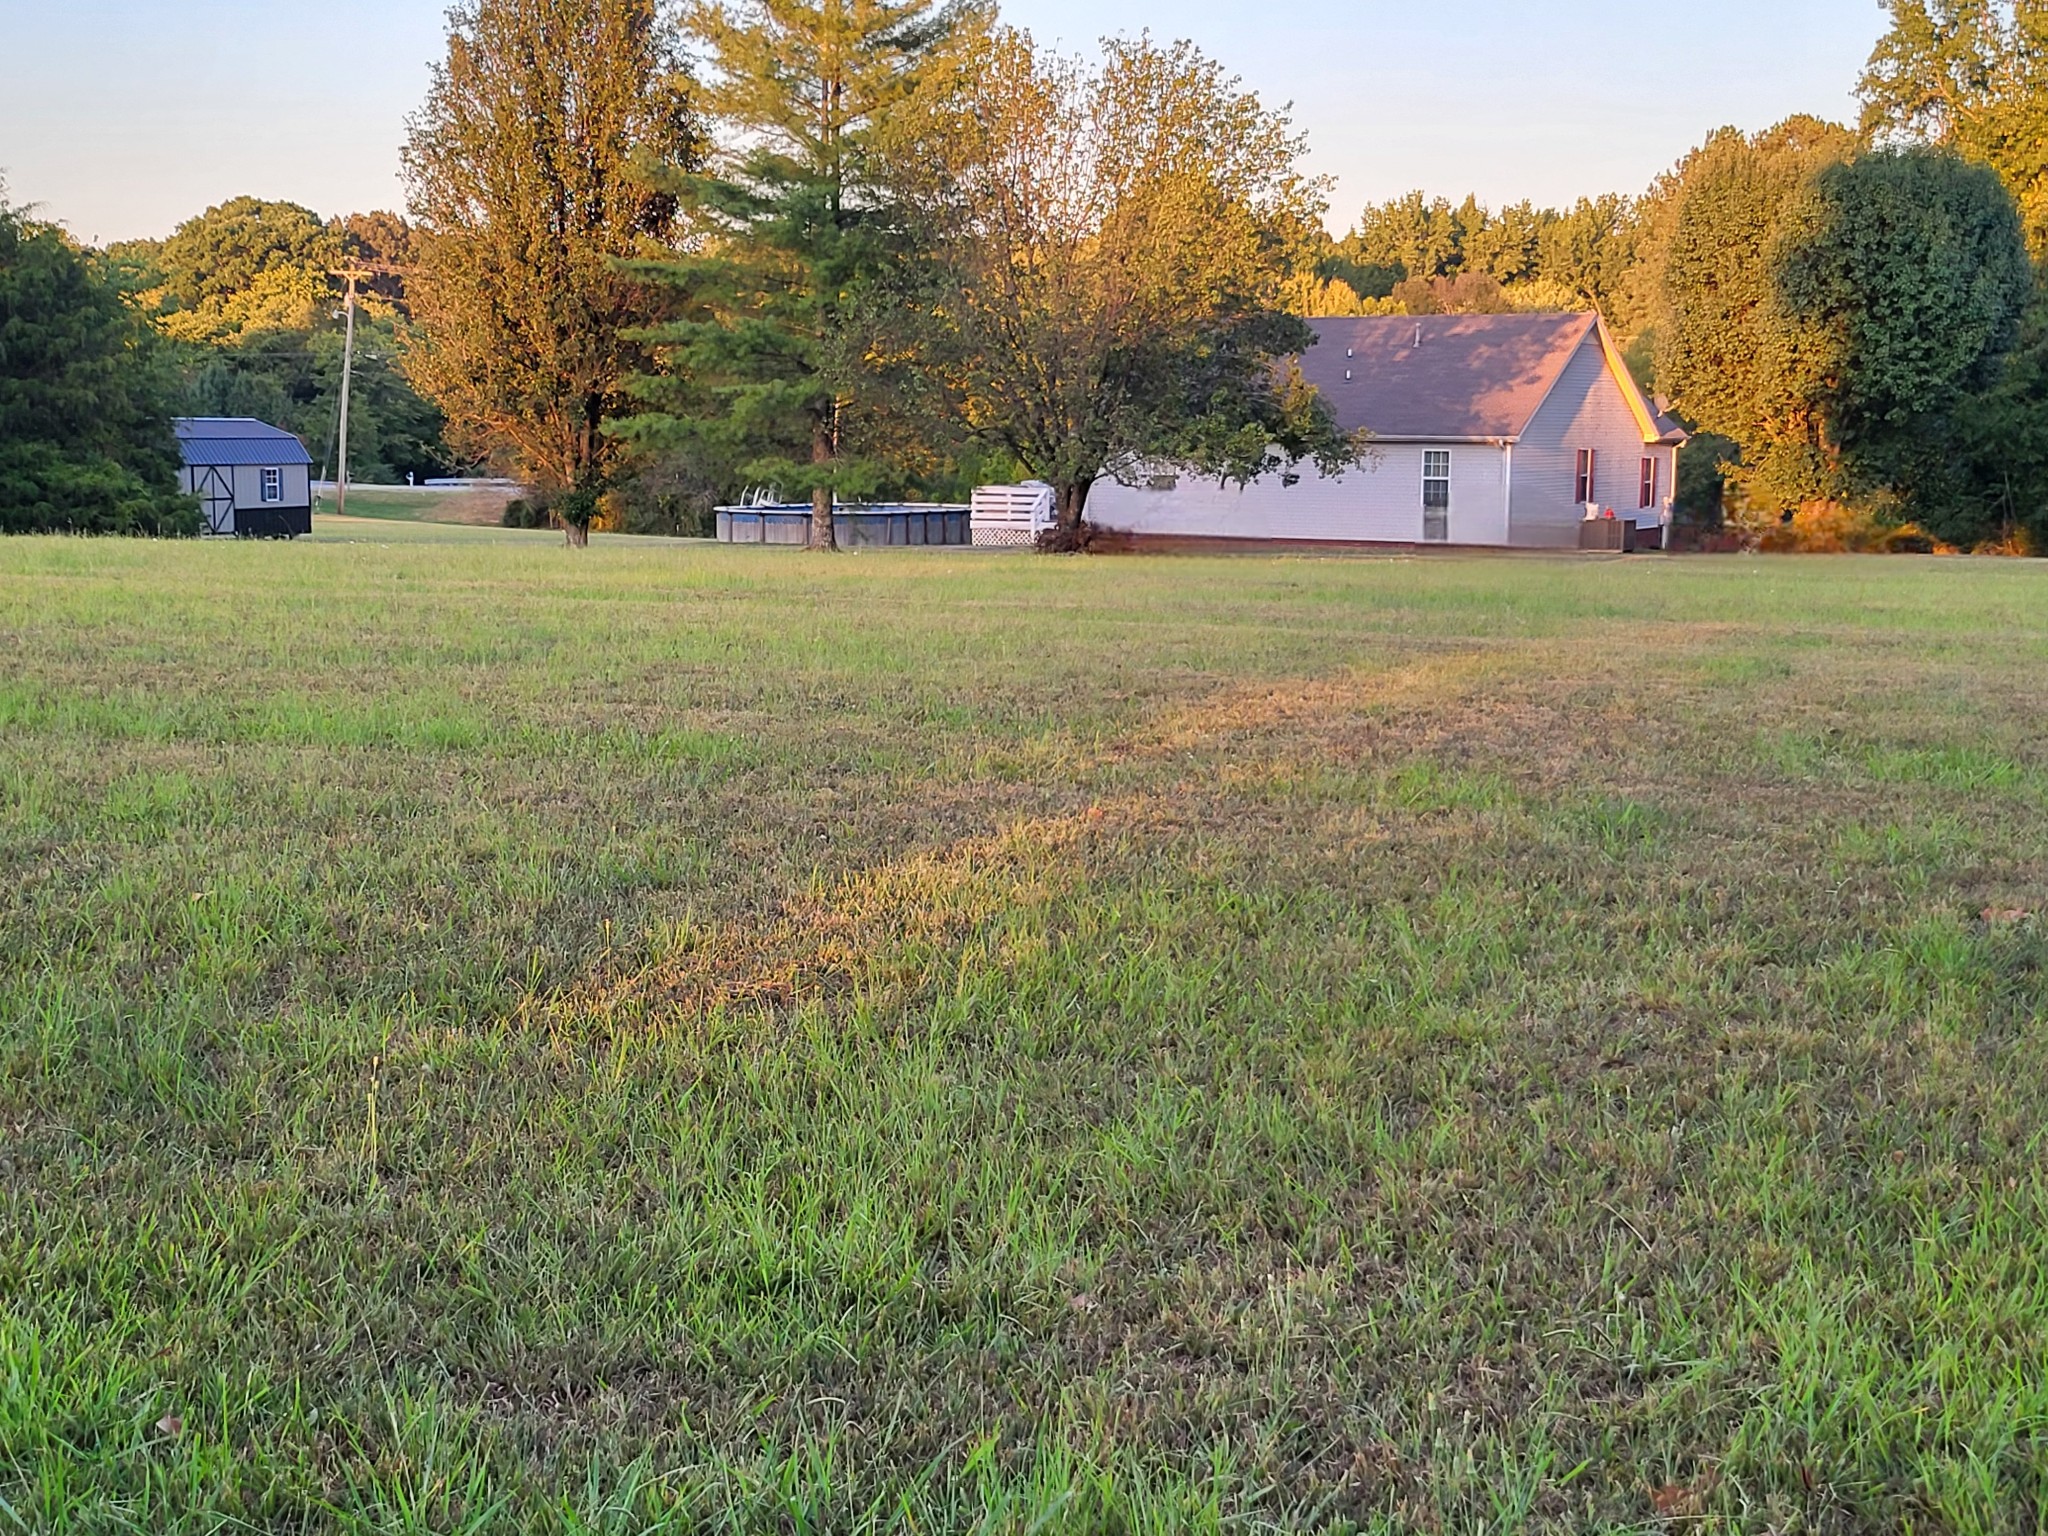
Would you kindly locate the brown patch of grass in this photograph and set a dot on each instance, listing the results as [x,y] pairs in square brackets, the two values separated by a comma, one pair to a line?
[878,932]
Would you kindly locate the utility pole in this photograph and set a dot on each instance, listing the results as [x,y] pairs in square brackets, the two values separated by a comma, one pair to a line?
[354,273]
[348,363]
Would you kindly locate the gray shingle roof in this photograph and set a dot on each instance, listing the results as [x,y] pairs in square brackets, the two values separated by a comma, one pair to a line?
[236,440]
[1473,376]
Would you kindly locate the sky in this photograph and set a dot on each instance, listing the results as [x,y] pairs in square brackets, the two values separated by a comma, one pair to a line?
[122,117]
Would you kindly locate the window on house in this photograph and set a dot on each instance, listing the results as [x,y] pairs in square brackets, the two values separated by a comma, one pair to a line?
[1649,498]
[1588,478]
[1436,493]
[273,485]
[1436,481]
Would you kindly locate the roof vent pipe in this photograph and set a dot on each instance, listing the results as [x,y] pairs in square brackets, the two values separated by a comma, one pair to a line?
[1418,333]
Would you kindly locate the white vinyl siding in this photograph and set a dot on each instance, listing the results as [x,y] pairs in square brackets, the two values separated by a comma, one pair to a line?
[1586,412]
[1376,502]
[1499,494]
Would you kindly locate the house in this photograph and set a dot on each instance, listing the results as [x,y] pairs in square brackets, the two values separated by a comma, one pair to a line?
[251,479]
[1502,430]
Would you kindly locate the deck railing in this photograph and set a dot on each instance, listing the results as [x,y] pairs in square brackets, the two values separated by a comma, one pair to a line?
[1012,516]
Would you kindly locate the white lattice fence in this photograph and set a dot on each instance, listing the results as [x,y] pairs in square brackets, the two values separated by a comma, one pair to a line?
[1011,516]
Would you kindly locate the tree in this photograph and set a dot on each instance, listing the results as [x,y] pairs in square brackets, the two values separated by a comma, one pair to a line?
[243,268]
[1589,251]
[527,169]
[764,365]
[1105,267]
[1833,312]
[1508,246]
[1994,487]
[381,247]
[85,435]
[1416,248]
[1903,276]
[1699,499]
[1415,236]
[246,296]
[1972,76]
[1723,347]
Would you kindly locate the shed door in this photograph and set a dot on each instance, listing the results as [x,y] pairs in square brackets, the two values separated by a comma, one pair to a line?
[215,489]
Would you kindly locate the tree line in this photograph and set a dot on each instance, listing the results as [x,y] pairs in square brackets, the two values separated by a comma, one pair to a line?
[236,313]
[246,301]
[876,249]
[849,249]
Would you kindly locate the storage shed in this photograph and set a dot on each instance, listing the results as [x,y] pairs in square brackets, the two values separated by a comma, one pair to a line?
[252,479]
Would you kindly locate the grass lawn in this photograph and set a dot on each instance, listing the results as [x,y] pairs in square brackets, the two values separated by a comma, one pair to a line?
[474,508]
[682,1037]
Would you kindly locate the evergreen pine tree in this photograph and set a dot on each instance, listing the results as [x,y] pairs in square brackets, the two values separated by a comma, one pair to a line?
[763,366]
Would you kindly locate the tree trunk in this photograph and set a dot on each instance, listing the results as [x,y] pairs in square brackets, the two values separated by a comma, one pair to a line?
[1072,501]
[1067,535]
[822,536]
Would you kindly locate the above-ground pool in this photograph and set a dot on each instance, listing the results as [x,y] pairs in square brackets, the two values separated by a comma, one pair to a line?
[853,527]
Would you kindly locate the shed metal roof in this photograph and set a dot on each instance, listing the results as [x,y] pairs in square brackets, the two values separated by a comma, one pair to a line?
[236,440]
[1445,377]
